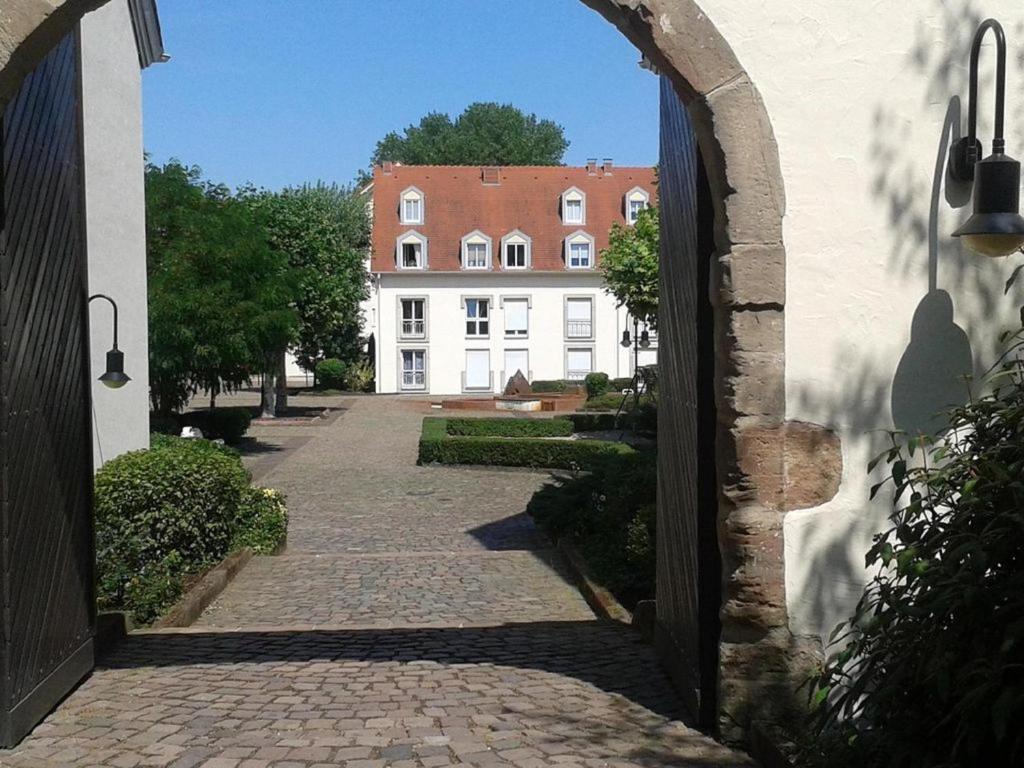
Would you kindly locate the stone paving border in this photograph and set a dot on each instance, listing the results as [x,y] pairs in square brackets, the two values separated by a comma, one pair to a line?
[192,604]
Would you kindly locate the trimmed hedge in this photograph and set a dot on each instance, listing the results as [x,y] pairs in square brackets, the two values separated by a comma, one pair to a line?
[596,384]
[554,385]
[227,424]
[598,422]
[619,385]
[438,447]
[330,373]
[510,427]
[167,513]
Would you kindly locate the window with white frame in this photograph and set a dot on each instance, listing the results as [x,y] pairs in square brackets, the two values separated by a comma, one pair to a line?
[478,317]
[517,317]
[579,251]
[579,318]
[637,199]
[476,251]
[414,319]
[516,360]
[411,209]
[515,251]
[478,369]
[414,369]
[578,363]
[574,206]
[412,251]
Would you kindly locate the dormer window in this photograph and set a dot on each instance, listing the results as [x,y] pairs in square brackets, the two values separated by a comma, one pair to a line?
[579,251]
[574,206]
[411,251]
[476,251]
[636,200]
[411,208]
[515,250]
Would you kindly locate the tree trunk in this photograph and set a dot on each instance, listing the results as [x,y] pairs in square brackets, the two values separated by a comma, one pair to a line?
[281,406]
[268,391]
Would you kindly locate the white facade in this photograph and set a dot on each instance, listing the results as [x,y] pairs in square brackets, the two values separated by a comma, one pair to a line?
[863,106]
[115,216]
[572,327]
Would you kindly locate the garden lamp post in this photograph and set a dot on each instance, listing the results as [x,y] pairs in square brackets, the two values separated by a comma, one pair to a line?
[996,227]
[639,339]
[114,377]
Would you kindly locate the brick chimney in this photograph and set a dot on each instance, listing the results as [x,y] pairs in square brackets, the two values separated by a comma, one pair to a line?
[592,166]
[387,167]
[490,174]
[606,166]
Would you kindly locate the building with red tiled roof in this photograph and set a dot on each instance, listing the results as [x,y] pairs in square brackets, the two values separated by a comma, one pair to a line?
[482,271]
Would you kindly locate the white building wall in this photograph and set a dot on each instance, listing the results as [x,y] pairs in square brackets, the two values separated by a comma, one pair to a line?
[862,105]
[447,343]
[115,224]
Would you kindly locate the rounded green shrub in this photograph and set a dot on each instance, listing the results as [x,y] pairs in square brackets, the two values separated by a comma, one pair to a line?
[545,386]
[227,424]
[596,384]
[330,373]
[162,514]
[621,384]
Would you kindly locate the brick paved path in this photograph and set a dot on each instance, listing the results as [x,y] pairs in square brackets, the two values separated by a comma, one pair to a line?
[418,620]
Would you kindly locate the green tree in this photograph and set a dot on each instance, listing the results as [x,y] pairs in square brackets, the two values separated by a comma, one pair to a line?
[324,230]
[484,134]
[219,296]
[630,266]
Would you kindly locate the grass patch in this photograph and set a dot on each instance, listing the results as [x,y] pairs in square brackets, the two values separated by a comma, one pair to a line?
[439,446]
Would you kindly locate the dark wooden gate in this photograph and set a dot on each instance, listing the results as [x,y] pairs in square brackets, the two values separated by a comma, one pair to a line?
[46,462]
[689,567]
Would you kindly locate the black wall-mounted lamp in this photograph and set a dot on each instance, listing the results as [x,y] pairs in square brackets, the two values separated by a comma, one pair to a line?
[996,227]
[114,377]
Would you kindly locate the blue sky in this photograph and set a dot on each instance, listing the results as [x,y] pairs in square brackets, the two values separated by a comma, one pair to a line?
[279,92]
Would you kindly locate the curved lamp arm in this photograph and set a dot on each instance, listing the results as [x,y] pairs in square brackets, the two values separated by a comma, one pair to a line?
[967,151]
[112,304]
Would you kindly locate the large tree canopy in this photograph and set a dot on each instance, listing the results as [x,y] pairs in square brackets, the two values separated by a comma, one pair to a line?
[324,230]
[484,134]
[630,266]
[220,298]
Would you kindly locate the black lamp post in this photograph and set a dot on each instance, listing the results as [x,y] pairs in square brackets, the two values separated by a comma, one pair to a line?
[639,339]
[996,227]
[114,377]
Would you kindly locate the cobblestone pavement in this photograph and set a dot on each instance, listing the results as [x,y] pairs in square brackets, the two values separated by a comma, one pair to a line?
[381,554]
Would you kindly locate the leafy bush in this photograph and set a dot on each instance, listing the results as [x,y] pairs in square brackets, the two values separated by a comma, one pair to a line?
[160,515]
[510,427]
[621,385]
[360,377]
[610,514]
[611,401]
[330,374]
[596,384]
[929,668]
[597,422]
[436,446]
[227,424]
[261,522]
[543,386]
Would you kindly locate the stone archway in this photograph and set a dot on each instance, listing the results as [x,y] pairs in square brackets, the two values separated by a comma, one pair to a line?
[753,440]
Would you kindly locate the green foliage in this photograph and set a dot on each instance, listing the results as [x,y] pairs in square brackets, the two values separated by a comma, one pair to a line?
[553,386]
[610,513]
[596,384]
[598,422]
[360,376]
[219,296]
[162,514]
[261,522]
[330,374]
[227,424]
[630,266]
[437,446]
[484,134]
[324,230]
[610,401]
[928,671]
[512,427]
[620,384]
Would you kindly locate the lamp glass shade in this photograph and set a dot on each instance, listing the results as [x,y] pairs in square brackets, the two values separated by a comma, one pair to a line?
[115,377]
[996,227]
[626,341]
[645,339]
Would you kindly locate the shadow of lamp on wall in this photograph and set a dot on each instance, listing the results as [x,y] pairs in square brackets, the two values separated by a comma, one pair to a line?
[114,377]
[996,227]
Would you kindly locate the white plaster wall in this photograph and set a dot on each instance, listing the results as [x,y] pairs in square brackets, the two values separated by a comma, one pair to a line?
[858,96]
[115,224]
[447,342]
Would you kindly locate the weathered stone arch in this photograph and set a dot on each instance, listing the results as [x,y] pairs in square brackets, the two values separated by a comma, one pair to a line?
[741,158]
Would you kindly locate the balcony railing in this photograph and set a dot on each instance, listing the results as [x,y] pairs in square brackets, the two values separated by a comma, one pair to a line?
[414,328]
[413,380]
[577,375]
[578,329]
